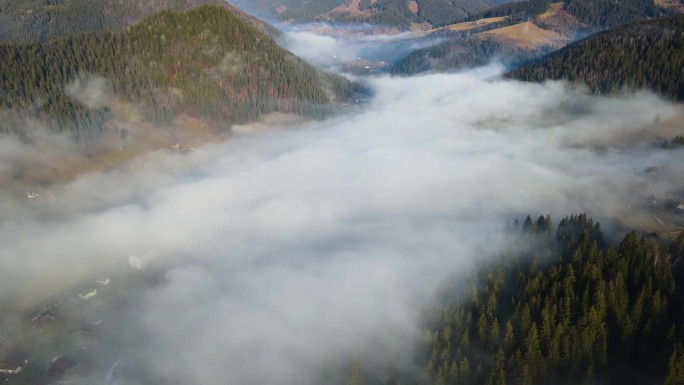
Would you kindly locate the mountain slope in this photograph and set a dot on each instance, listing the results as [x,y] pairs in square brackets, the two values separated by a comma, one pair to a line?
[563,308]
[206,63]
[641,55]
[596,14]
[43,20]
[525,30]
[393,13]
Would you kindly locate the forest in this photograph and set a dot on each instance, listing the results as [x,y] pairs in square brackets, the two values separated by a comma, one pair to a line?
[464,50]
[206,62]
[605,14]
[562,305]
[45,20]
[647,54]
[460,54]
[517,10]
[393,13]
[566,308]
[434,12]
[597,15]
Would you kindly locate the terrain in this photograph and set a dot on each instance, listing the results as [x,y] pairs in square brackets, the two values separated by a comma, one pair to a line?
[172,76]
[563,306]
[184,201]
[642,55]
[518,32]
[392,13]
[43,20]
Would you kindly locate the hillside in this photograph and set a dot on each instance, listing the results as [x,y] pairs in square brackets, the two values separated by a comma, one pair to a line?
[517,32]
[44,20]
[563,307]
[641,55]
[206,63]
[595,14]
[393,13]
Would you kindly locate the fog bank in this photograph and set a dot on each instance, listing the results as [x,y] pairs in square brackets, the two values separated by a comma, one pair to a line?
[284,251]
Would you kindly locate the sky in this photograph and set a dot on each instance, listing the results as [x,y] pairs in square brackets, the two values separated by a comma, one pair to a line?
[286,250]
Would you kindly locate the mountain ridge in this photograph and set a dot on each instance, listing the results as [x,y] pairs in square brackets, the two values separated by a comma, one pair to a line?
[647,54]
[390,13]
[518,32]
[174,79]
[44,20]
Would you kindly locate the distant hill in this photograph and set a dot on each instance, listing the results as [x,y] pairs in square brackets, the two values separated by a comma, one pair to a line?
[43,20]
[206,63]
[648,54]
[393,13]
[521,31]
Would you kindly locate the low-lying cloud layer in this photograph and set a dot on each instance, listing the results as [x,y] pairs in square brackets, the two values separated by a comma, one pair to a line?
[286,251]
[339,47]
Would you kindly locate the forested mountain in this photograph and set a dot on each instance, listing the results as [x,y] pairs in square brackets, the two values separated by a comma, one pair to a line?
[459,55]
[604,14]
[206,62]
[402,13]
[564,307]
[392,13]
[521,31]
[595,14]
[43,20]
[512,33]
[647,54]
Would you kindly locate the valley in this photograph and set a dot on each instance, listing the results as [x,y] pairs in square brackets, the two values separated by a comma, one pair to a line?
[362,192]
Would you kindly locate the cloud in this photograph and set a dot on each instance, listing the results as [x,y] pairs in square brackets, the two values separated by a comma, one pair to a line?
[93,91]
[336,46]
[280,253]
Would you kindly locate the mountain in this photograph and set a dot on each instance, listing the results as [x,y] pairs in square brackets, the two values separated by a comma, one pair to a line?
[648,54]
[518,32]
[43,20]
[512,33]
[393,13]
[597,14]
[207,63]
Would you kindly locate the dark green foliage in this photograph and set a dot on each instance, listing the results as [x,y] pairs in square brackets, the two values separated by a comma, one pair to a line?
[518,11]
[460,54]
[647,54]
[443,12]
[206,62]
[43,20]
[563,308]
[604,14]
[435,12]
[382,12]
[390,12]
[305,10]
[596,14]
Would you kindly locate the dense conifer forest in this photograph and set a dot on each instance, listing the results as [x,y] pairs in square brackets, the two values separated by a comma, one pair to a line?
[565,307]
[44,20]
[458,55]
[562,305]
[604,14]
[463,50]
[205,62]
[647,54]
[516,11]
[390,13]
[595,14]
